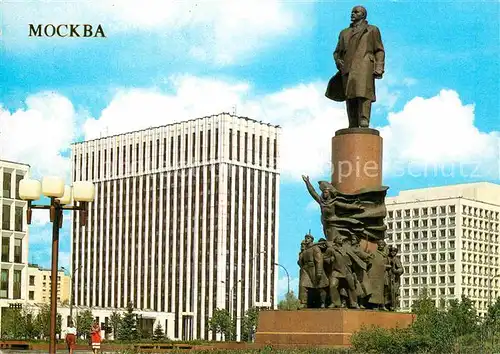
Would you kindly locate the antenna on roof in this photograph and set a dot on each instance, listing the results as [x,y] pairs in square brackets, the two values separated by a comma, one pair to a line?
[234,110]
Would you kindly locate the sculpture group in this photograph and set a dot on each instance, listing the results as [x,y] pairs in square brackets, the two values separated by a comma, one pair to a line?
[335,271]
[339,273]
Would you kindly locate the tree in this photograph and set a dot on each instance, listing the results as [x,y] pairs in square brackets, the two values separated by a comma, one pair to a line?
[42,322]
[128,327]
[289,303]
[13,324]
[249,324]
[115,320]
[84,322]
[158,333]
[221,322]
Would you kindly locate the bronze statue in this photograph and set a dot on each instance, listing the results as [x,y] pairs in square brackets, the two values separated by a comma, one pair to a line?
[378,276]
[363,284]
[311,261]
[359,214]
[359,57]
[395,272]
[329,202]
[305,282]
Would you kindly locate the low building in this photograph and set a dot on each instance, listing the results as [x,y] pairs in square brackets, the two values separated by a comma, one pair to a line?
[449,242]
[39,285]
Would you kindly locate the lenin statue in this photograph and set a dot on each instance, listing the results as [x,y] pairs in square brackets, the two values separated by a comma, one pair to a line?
[359,57]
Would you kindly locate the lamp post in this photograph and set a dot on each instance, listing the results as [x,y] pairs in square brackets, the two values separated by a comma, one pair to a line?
[490,288]
[287,276]
[60,196]
[71,277]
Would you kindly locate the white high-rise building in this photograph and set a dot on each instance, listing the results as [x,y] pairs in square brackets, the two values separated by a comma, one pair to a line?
[14,234]
[449,241]
[185,220]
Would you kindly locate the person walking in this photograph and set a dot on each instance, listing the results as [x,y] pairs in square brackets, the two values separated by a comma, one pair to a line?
[71,337]
[95,337]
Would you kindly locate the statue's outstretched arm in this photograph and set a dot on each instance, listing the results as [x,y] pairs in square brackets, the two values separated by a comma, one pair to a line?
[311,189]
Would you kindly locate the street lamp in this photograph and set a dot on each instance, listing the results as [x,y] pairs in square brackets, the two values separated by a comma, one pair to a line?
[287,275]
[71,277]
[60,196]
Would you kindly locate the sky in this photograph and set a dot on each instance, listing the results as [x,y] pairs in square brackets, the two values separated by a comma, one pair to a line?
[438,105]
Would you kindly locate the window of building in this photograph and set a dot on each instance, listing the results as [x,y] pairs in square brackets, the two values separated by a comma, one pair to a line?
[6,217]
[452,208]
[407,258]
[415,246]
[451,279]
[424,281]
[415,258]
[407,292]
[4,283]
[434,210]
[7,185]
[433,256]
[32,280]
[424,257]
[451,256]
[415,269]
[391,214]
[31,295]
[433,268]
[18,250]
[442,268]
[452,221]
[5,249]
[442,291]
[415,280]
[442,256]
[442,209]
[18,219]
[398,213]
[415,212]
[451,268]
[452,244]
[433,291]
[451,291]
[16,284]
[424,269]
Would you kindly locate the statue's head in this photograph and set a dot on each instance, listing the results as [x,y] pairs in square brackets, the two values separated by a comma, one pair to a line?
[393,251]
[381,245]
[327,190]
[322,243]
[358,13]
[308,239]
[339,240]
[354,241]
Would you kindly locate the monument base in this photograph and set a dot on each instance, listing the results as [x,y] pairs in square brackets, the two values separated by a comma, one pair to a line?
[322,327]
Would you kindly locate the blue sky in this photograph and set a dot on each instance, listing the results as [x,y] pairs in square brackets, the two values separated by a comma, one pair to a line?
[438,104]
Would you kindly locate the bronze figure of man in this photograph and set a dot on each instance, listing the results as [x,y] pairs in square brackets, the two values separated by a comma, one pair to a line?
[359,57]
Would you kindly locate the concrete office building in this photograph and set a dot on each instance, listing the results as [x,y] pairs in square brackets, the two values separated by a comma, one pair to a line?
[185,221]
[449,242]
[14,234]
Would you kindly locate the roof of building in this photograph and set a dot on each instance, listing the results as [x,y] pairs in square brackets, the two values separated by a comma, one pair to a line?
[486,192]
[181,122]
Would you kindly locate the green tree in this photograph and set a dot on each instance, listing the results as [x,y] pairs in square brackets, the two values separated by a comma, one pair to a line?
[221,322]
[115,320]
[249,324]
[42,322]
[289,303]
[84,322]
[13,323]
[158,333]
[128,326]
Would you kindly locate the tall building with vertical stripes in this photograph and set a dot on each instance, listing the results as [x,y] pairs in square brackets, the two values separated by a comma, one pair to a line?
[185,221]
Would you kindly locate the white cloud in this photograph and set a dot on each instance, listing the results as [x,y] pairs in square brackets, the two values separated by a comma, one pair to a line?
[219,31]
[283,286]
[307,118]
[38,134]
[438,132]
[434,130]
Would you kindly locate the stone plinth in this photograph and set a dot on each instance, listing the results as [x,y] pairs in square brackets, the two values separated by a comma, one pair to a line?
[356,159]
[322,327]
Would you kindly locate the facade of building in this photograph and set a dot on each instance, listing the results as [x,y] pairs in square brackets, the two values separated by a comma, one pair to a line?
[449,241]
[39,285]
[185,220]
[14,234]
